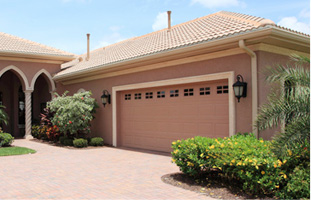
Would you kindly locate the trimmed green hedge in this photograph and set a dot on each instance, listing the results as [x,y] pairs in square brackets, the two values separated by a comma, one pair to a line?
[240,157]
[6,139]
[96,141]
[80,143]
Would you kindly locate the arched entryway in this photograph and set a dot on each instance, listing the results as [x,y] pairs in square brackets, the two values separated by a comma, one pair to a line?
[21,98]
[12,88]
[40,96]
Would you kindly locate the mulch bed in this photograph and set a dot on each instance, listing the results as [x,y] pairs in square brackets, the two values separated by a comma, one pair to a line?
[212,186]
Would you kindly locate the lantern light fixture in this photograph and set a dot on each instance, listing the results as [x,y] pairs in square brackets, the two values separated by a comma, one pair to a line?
[105,98]
[240,88]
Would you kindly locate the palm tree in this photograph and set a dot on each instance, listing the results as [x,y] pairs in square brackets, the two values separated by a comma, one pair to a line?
[289,103]
[3,116]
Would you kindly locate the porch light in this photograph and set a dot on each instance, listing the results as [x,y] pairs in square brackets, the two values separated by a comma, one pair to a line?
[105,97]
[239,88]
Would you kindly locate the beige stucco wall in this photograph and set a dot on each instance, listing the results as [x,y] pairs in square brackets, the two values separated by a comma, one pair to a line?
[102,125]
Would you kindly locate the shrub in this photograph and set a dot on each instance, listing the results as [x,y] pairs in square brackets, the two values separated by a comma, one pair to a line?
[240,157]
[298,185]
[73,114]
[6,139]
[96,141]
[66,141]
[35,131]
[80,143]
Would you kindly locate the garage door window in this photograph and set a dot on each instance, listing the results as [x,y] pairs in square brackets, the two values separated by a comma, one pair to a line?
[188,92]
[137,96]
[174,93]
[149,95]
[127,97]
[222,89]
[205,91]
[161,94]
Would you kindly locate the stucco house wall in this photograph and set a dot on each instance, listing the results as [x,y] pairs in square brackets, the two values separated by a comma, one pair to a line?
[240,64]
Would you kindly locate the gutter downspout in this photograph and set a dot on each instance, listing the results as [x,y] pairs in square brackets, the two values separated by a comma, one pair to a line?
[254,83]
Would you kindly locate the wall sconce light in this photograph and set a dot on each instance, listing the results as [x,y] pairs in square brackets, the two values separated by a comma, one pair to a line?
[239,88]
[105,97]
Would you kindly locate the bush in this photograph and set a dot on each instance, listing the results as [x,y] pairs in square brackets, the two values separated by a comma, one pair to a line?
[6,139]
[66,141]
[96,141]
[298,185]
[35,131]
[240,157]
[80,143]
[73,114]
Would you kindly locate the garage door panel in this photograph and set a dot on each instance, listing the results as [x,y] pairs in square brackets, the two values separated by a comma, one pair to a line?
[184,112]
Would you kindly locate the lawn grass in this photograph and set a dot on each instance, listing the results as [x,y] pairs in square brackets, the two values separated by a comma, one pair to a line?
[9,151]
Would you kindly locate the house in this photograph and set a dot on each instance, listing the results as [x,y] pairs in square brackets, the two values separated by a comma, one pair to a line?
[174,83]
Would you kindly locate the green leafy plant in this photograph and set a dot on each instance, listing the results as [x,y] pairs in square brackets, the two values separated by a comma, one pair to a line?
[73,114]
[96,141]
[80,143]
[35,131]
[4,118]
[6,139]
[289,103]
[66,141]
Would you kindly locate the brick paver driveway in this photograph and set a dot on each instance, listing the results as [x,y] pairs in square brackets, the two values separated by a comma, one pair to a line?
[103,173]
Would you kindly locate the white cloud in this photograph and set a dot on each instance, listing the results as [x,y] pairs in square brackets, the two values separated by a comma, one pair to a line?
[160,22]
[112,38]
[293,23]
[218,3]
[305,13]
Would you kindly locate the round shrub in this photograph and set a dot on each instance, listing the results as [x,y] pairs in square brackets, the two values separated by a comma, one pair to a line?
[80,143]
[35,131]
[6,139]
[96,141]
[67,141]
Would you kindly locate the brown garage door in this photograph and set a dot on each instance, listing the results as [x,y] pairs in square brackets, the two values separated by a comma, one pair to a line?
[154,117]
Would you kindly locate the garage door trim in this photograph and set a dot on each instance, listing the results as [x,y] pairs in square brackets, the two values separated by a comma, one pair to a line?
[193,79]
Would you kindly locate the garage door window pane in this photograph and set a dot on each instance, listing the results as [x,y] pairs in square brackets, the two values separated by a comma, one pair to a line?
[161,94]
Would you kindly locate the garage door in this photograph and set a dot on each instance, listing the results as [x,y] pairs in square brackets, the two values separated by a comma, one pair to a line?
[154,117]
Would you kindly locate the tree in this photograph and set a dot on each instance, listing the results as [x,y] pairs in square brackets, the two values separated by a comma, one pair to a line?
[3,115]
[73,114]
[289,103]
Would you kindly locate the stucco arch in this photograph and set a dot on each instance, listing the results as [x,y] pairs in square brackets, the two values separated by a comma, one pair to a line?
[20,75]
[48,78]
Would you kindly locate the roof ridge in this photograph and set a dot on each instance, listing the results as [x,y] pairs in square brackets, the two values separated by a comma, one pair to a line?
[256,21]
[37,43]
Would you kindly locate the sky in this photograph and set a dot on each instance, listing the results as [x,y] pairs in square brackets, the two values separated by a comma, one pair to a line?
[63,24]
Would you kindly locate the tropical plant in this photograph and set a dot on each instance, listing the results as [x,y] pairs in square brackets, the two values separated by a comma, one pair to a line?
[288,104]
[73,114]
[3,115]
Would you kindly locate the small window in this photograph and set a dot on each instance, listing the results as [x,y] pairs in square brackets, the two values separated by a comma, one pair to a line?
[205,91]
[174,93]
[137,95]
[149,95]
[222,89]
[188,92]
[127,97]
[161,94]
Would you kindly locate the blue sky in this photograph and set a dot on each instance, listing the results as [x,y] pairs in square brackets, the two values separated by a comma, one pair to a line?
[63,24]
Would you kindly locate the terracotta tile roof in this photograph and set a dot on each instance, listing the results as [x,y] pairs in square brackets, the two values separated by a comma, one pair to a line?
[218,25]
[13,44]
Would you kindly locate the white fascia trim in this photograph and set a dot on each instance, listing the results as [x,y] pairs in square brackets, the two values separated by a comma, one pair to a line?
[186,80]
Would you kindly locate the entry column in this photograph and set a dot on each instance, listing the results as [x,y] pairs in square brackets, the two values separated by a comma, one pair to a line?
[28,113]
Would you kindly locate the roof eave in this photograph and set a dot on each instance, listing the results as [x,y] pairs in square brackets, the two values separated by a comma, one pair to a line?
[251,34]
[61,58]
